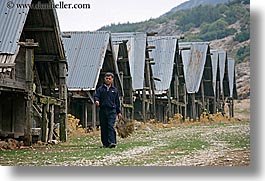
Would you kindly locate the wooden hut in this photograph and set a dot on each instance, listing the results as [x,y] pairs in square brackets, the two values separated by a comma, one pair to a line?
[32,72]
[197,69]
[165,74]
[120,52]
[225,80]
[90,56]
[141,73]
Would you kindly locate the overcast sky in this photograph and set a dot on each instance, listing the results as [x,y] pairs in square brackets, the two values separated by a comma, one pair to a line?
[105,12]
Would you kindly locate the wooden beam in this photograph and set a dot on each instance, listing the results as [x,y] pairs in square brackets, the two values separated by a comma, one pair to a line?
[12,85]
[185,101]
[202,93]
[85,114]
[193,106]
[45,122]
[63,97]
[94,116]
[39,29]
[150,47]
[29,45]
[153,33]
[51,122]
[169,105]
[143,105]
[90,97]
[52,79]
[7,65]
[123,60]
[38,98]
[47,58]
[127,106]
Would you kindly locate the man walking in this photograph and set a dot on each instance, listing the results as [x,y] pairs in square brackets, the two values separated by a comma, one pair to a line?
[107,99]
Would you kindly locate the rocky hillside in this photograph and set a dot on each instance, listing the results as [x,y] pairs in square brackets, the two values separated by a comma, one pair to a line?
[193,3]
[226,26]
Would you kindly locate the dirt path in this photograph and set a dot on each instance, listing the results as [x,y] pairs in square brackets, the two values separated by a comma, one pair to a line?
[160,148]
[188,145]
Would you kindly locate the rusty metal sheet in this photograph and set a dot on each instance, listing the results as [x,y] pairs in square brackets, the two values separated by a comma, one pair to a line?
[164,56]
[194,61]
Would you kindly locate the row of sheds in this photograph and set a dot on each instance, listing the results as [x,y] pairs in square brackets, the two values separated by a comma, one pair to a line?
[46,73]
[157,76]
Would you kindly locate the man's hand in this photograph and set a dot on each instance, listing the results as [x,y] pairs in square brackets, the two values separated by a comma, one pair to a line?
[119,116]
[97,103]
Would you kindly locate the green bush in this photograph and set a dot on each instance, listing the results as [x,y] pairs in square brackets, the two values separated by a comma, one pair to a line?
[243,53]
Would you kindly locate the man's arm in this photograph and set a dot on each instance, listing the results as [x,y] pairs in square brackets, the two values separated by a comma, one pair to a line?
[97,97]
[118,106]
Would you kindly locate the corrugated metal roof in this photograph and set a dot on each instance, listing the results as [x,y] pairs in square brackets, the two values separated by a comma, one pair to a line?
[7,58]
[85,53]
[222,63]
[164,56]
[231,74]
[11,26]
[136,46]
[115,51]
[214,58]
[193,61]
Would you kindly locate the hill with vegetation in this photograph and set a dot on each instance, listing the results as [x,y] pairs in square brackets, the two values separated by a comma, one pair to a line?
[226,26]
[193,3]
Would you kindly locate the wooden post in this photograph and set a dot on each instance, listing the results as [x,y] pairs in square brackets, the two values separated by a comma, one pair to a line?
[193,106]
[94,111]
[45,122]
[51,128]
[218,95]
[203,97]
[231,107]
[176,91]
[185,102]
[214,105]
[94,116]
[150,87]
[153,98]
[85,114]
[143,104]
[121,98]
[63,97]
[169,104]
[29,63]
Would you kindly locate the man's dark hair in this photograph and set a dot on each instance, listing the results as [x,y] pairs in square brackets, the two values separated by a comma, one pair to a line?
[109,74]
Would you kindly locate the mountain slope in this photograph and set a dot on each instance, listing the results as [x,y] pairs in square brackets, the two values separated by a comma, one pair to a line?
[226,26]
[194,3]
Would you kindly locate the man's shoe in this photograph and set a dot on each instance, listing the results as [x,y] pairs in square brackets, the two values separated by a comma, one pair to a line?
[103,146]
[112,145]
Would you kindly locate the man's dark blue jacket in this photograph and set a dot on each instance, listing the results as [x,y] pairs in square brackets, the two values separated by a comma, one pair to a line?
[108,97]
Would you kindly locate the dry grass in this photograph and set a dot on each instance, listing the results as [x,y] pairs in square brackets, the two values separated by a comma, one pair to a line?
[178,121]
[125,127]
[74,129]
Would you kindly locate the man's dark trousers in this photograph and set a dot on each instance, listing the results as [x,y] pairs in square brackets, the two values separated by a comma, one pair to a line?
[107,118]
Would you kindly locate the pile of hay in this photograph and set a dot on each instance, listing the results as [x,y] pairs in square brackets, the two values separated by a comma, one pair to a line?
[124,127]
[74,129]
